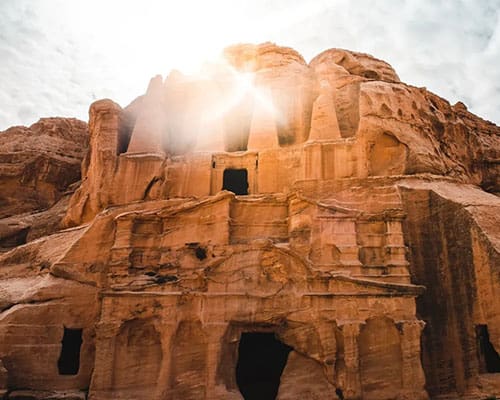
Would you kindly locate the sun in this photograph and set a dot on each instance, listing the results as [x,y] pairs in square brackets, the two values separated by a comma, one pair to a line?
[234,87]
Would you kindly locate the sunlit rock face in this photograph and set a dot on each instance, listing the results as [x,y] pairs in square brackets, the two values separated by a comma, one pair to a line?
[267,229]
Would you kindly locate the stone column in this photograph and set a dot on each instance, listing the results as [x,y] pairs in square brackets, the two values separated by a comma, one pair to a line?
[102,378]
[167,332]
[395,250]
[313,161]
[412,374]
[215,339]
[326,333]
[350,332]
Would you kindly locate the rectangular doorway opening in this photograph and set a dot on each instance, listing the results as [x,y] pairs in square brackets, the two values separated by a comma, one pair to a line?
[261,361]
[489,360]
[236,181]
[69,360]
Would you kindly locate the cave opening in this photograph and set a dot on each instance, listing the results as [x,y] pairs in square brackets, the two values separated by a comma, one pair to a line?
[489,360]
[17,238]
[236,181]
[69,359]
[261,360]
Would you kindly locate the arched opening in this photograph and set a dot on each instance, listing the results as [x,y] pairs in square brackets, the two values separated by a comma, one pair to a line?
[261,360]
[236,181]
[69,360]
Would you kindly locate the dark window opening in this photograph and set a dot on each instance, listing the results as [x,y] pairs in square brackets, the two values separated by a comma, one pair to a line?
[261,360]
[236,181]
[125,128]
[69,360]
[489,360]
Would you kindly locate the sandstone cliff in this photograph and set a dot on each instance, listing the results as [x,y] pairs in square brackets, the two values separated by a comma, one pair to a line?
[37,167]
[270,229]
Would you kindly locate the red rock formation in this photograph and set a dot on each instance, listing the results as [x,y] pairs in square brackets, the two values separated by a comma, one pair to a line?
[272,227]
[37,166]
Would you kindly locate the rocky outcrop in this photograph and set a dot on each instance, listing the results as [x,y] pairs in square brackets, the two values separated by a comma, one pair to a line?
[96,188]
[406,129]
[38,165]
[268,229]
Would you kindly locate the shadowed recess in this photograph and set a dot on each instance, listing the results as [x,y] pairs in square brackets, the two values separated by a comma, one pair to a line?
[236,181]
[489,360]
[261,360]
[69,360]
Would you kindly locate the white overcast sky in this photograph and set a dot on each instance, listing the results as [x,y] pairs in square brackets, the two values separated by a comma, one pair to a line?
[58,56]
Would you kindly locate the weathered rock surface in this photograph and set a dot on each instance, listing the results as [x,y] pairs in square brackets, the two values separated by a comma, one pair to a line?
[453,234]
[37,167]
[271,229]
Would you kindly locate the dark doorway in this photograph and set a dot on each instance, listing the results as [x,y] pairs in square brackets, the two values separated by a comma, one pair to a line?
[489,360]
[261,360]
[236,181]
[69,360]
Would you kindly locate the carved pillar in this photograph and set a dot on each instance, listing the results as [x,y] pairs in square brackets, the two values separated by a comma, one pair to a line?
[167,332]
[326,333]
[350,332]
[102,378]
[215,338]
[412,374]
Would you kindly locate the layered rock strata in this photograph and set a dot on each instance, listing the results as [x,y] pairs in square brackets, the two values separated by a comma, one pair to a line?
[38,165]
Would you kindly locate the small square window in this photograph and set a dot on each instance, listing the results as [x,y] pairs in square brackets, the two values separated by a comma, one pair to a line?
[236,181]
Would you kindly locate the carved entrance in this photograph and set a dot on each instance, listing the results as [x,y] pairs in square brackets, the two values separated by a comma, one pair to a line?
[261,360]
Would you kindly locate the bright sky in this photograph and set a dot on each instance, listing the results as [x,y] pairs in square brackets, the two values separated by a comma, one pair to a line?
[58,56]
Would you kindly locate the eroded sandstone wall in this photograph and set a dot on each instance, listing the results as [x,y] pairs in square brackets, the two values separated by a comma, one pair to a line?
[452,232]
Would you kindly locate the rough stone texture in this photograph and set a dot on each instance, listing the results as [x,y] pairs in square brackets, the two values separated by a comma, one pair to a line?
[303,378]
[453,234]
[367,225]
[37,164]
[37,167]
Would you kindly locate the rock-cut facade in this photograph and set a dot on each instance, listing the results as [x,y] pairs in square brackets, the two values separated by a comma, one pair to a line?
[271,229]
